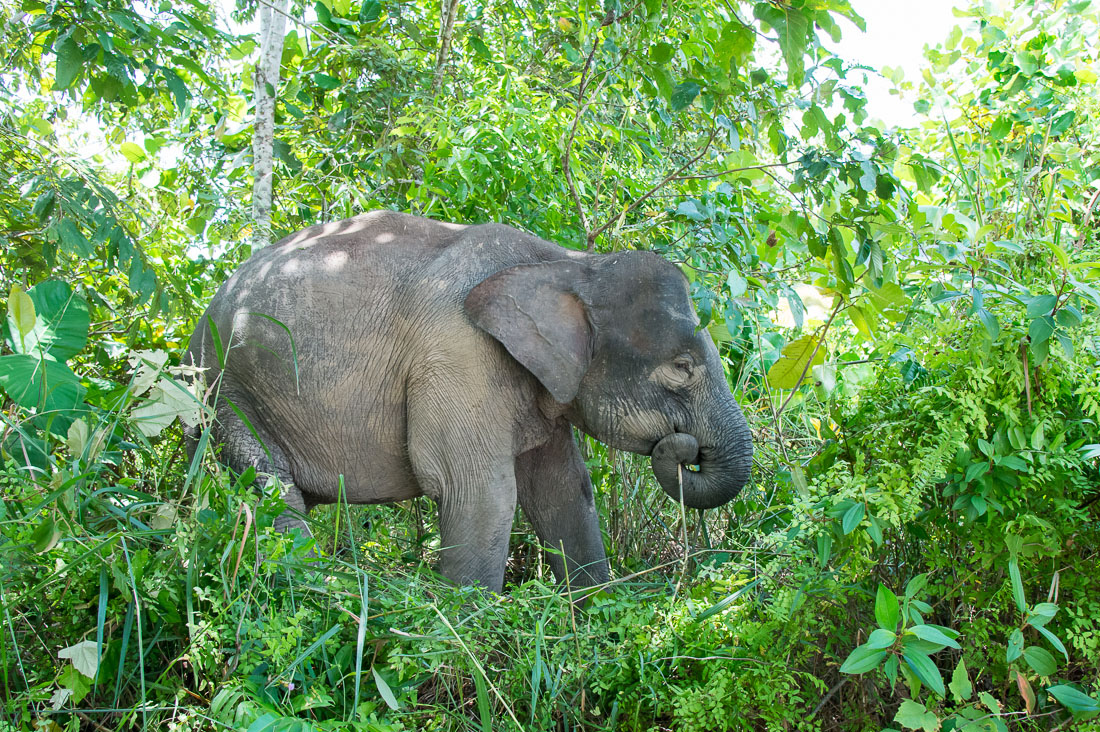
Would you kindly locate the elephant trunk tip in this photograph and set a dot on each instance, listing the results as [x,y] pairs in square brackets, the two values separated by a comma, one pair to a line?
[717,479]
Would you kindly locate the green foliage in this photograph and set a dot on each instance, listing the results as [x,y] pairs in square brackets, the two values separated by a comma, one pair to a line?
[910,316]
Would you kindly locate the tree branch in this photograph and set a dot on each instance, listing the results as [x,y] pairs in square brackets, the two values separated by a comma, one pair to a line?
[449,9]
[645,196]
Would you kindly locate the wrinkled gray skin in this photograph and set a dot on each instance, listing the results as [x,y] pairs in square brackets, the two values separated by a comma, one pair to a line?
[450,361]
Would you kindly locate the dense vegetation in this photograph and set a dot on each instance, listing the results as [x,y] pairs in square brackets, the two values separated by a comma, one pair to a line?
[909,316]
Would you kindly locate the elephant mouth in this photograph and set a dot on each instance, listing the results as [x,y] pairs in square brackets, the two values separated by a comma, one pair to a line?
[698,475]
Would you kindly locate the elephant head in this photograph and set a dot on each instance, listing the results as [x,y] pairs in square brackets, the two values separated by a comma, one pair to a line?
[615,339]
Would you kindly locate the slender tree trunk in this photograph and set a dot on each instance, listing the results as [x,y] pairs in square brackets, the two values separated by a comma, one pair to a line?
[272,15]
[449,11]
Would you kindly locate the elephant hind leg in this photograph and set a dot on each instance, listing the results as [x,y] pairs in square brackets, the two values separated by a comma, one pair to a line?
[244,447]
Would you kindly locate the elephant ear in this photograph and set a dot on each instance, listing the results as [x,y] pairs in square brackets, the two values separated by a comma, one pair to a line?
[535,312]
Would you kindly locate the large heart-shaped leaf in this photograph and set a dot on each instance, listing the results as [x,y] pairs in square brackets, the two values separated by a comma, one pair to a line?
[33,383]
[60,323]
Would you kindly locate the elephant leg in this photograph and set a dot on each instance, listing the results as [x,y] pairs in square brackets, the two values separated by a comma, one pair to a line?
[241,449]
[555,492]
[475,524]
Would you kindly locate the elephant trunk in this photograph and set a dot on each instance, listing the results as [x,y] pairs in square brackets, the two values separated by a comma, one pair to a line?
[723,460]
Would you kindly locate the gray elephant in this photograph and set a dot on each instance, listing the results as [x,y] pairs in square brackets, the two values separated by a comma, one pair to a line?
[415,357]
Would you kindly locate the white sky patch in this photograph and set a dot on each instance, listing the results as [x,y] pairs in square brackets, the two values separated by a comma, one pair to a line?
[897,33]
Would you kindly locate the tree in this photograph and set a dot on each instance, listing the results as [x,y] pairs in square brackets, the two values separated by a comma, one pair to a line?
[265,86]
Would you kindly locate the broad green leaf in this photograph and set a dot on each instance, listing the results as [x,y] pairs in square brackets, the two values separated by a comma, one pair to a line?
[915,586]
[1041,305]
[661,52]
[1017,584]
[1042,613]
[1069,317]
[960,685]
[735,42]
[887,610]
[1053,640]
[891,669]
[1015,645]
[737,283]
[860,321]
[384,690]
[61,322]
[874,529]
[914,715]
[45,536]
[796,359]
[37,384]
[718,331]
[683,95]
[73,240]
[926,671]
[21,314]
[1001,127]
[852,518]
[266,722]
[325,81]
[75,682]
[989,321]
[1059,254]
[84,655]
[793,28]
[1073,699]
[1040,330]
[861,660]
[990,702]
[933,635]
[167,400]
[881,638]
[890,300]
[132,152]
[1040,660]
[70,60]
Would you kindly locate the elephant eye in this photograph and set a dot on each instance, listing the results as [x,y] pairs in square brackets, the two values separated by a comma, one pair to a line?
[684,363]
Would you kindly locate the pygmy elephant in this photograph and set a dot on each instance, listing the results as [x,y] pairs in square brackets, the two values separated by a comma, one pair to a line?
[415,357]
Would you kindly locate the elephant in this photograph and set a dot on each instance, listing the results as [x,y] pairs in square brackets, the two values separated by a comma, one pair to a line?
[416,357]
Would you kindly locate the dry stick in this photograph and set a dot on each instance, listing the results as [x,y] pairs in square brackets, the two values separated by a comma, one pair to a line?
[1085,223]
[1027,376]
[817,346]
[684,529]
[244,539]
[645,196]
[825,699]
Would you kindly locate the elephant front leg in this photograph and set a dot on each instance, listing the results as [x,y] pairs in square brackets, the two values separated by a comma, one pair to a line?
[476,512]
[555,492]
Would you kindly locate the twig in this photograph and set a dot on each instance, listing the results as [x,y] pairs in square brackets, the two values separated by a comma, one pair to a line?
[1085,223]
[719,174]
[581,107]
[818,341]
[645,196]
[829,695]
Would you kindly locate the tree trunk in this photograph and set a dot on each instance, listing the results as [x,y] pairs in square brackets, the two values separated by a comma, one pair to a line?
[449,11]
[265,84]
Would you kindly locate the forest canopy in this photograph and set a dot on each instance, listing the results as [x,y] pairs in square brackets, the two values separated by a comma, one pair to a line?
[907,315]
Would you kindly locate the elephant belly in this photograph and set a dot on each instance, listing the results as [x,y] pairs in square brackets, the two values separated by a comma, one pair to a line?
[371,473]
[365,444]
